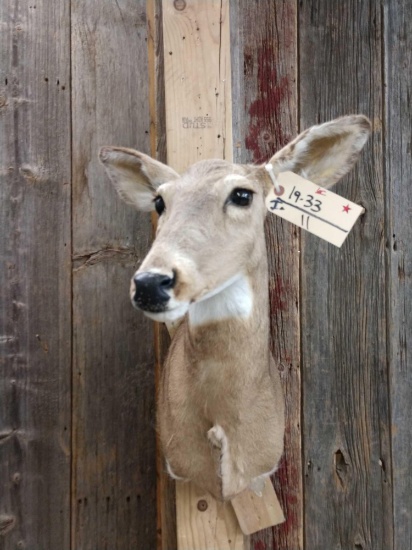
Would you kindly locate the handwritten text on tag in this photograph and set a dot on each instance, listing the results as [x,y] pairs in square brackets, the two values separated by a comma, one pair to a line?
[313,208]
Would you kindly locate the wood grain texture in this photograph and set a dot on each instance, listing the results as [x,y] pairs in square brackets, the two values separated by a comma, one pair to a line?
[204,523]
[345,400]
[398,125]
[266,83]
[196,37]
[198,100]
[356,319]
[35,295]
[114,462]
[256,512]
[165,486]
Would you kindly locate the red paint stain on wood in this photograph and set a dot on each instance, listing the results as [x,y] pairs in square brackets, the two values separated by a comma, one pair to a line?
[265,135]
[286,481]
[278,296]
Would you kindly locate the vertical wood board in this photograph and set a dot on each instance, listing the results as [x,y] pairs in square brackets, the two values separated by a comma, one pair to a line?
[199,126]
[35,295]
[398,126]
[165,486]
[197,81]
[352,331]
[114,462]
[345,400]
[215,526]
[267,80]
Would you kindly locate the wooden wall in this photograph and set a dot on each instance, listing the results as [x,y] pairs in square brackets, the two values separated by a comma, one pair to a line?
[77,431]
[77,438]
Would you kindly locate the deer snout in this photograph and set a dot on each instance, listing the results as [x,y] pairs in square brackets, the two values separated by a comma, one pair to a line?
[150,291]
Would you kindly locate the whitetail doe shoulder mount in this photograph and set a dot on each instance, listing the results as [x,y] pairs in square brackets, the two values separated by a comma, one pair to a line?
[221,407]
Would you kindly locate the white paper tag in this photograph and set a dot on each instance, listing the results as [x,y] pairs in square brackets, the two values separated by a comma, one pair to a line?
[313,208]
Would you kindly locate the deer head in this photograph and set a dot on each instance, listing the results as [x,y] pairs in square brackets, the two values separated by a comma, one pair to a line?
[210,228]
[209,261]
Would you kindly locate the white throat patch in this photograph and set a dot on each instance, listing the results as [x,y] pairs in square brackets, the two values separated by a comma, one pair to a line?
[233,299]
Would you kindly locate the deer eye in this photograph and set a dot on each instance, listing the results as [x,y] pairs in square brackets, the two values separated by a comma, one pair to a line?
[241,197]
[159,204]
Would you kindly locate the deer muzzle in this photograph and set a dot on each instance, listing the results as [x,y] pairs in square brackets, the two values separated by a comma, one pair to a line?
[150,291]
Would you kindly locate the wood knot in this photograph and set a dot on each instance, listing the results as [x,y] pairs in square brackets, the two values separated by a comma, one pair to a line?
[32,174]
[341,468]
[6,523]
[16,478]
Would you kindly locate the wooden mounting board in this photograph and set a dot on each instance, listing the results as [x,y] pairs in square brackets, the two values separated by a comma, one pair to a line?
[256,512]
[196,39]
[197,81]
[203,522]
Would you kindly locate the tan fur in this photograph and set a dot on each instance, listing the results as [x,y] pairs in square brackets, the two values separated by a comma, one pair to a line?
[221,408]
[223,374]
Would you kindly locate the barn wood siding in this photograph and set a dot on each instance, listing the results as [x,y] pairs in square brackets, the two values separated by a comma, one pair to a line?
[77,437]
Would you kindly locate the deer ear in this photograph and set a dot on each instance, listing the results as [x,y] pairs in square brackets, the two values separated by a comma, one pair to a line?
[325,153]
[135,175]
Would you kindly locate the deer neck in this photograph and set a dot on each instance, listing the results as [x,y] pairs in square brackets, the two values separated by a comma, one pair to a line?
[230,327]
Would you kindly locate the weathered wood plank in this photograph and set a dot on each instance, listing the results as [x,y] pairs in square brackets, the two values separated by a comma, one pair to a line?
[197,81]
[346,418]
[166,491]
[166,488]
[35,295]
[114,466]
[398,125]
[196,40]
[267,46]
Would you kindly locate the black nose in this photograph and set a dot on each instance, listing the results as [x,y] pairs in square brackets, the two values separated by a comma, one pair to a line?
[151,290]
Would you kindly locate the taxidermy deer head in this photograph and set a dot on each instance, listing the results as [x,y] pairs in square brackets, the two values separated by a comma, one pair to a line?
[221,408]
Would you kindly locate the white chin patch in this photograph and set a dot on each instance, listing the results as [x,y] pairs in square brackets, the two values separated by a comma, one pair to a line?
[233,299]
[173,314]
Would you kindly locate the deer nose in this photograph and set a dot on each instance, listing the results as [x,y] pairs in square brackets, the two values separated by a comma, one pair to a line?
[150,290]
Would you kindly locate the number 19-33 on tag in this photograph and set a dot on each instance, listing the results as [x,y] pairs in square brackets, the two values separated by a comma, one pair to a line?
[313,208]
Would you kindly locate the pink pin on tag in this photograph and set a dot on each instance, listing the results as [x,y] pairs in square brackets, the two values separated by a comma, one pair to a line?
[313,208]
